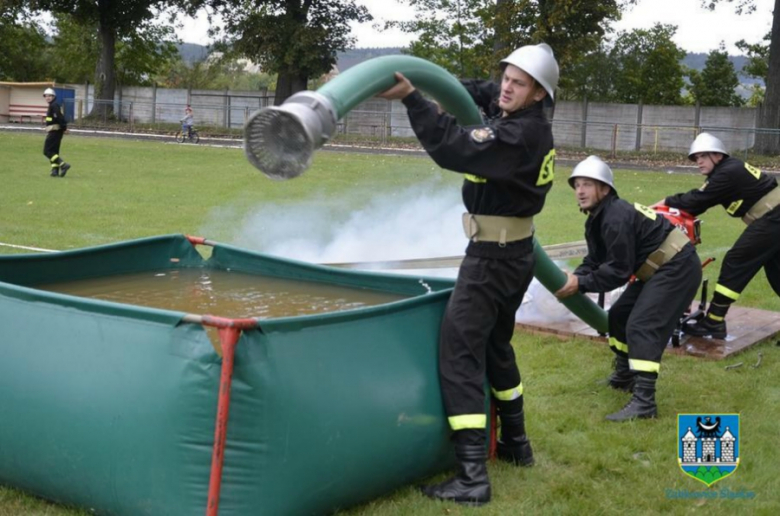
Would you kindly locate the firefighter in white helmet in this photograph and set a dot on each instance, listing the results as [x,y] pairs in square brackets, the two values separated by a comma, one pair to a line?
[507,164]
[626,240]
[56,126]
[746,192]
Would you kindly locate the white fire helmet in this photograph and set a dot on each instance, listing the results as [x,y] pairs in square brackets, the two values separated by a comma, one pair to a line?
[593,168]
[705,142]
[539,62]
[49,91]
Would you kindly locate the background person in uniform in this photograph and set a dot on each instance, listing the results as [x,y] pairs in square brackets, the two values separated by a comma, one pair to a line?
[624,240]
[56,127]
[744,191]
[508,170]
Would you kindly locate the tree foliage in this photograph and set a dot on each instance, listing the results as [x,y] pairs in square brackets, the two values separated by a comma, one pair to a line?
[716,84]
[297,39]
[452,34]
[139,56]
[769,114]
[212,74]
[23,57]
[470,37]
[758,58]
[648,66]
[132,21]
[592,76]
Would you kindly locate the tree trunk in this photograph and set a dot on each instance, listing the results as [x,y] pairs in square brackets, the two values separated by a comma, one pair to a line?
[770,112]
[103,106]
[288,83]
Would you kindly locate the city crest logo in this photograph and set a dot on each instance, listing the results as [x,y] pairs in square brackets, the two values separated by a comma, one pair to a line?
[708,445]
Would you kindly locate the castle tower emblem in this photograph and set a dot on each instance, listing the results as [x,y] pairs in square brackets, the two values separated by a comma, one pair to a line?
[708,445]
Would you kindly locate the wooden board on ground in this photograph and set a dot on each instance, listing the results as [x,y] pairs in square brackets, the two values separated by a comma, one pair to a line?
[746,327]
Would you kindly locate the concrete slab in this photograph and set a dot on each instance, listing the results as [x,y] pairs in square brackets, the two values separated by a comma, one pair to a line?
[746,327]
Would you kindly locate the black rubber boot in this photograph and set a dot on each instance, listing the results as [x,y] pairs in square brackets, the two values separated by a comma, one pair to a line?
[64,169]
[622,378]
[707,328]
[513,445]
[471,485]
[642,403]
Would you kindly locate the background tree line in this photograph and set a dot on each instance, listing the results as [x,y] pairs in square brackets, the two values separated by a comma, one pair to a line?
[297,41]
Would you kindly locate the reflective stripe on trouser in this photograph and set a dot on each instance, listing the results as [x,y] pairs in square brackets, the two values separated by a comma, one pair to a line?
[645,316]
[727,292]
[645,366]
[509,394]
[619,348]
[758,246]
[477,328]
[467,421]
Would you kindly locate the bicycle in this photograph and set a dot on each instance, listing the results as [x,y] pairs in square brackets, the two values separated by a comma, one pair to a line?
[190,136]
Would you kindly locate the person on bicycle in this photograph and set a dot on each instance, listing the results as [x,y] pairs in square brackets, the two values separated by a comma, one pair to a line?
[187,122]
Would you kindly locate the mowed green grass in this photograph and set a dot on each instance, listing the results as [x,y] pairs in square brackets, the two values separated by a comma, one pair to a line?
[121,189]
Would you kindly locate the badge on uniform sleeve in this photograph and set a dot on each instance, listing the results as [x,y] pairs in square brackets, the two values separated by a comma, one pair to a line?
[483,134]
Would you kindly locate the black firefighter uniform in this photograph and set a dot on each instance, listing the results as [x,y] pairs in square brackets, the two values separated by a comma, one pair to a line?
[56,124]
[746,192]
[508,167]
[621,237]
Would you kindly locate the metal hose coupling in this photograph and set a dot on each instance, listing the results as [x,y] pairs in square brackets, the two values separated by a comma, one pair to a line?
[280,140]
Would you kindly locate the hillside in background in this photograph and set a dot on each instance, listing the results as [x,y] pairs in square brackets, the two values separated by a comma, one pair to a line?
[350,58]
[193,53]
[697,62]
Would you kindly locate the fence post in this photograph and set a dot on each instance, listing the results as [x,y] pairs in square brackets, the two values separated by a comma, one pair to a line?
[226,108]
[154,103]
[130,115]
[119,89]
[388,120]
[229,110]
[639,116]
[696,119]
[614,141]
[584,129]
[655,143]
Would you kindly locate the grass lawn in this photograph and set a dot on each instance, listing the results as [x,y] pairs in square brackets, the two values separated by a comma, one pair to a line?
[122,189]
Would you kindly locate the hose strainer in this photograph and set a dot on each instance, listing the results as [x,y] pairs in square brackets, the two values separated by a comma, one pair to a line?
[280,140]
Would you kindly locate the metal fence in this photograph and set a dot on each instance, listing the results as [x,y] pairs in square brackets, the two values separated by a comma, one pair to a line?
[128,115]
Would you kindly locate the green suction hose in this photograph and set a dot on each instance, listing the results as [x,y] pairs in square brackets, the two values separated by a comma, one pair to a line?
[377,75]
[580,305]
[280,140]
